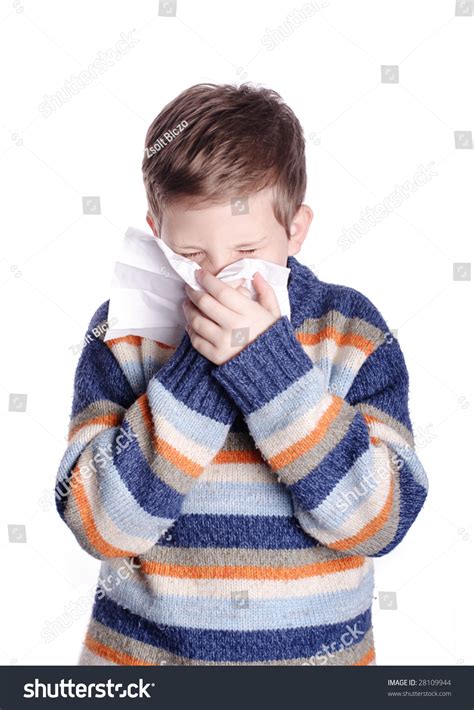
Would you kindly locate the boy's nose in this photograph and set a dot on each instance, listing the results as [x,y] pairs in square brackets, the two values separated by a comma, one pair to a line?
[215,266]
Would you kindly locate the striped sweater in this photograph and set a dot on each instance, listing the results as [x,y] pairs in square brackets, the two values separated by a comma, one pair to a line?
[237,509]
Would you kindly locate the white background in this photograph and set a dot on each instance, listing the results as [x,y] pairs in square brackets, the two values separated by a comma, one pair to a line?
[364,137]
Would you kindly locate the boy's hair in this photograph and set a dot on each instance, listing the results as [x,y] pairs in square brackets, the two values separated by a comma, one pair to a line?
[215,142]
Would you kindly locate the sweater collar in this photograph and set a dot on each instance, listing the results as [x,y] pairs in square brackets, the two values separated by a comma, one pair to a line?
[302,282]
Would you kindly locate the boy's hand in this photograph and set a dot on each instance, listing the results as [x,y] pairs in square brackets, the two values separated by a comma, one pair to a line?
[223,319]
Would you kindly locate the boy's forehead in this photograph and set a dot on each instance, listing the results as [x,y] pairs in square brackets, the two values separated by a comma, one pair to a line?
[244,216]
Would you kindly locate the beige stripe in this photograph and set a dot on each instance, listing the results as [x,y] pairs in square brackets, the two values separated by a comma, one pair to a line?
[238,441]
[368,508]
[100,408]
[300,467]
[238,473]
[87,658]
[343,324]
[148,355]
[297,429]
[388,431]
[172,475]
[349,655]
[343,355]
[158,585]
[148,349]
[363,516]
[86,433]
[164,468]
[126,353]
[185,445]
[240,556]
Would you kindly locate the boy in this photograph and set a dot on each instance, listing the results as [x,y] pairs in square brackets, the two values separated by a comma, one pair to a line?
[237,487]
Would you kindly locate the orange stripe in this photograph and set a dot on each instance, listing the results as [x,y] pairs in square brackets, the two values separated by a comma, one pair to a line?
[371,528]
[122,659]
[164,448]
[366,659]
[130,339]
[305,444]
[343,339]
[237,456]
[251,572]
[370,419]
[145,410]
[107,420]
[186,465]
[85,511]
[135,340]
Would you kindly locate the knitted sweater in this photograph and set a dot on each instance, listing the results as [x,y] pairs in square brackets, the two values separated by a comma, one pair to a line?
[237,508]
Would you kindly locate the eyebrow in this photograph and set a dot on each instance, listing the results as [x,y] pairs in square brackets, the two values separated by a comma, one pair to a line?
[243,244]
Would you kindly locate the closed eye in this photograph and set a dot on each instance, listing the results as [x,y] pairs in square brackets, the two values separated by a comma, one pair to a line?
[242,251]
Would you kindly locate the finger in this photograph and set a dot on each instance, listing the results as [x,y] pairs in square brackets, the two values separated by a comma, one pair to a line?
[245,291]
[224,294]
[214,309]
[202,326]
[235,284]
[265,294]
[201,345]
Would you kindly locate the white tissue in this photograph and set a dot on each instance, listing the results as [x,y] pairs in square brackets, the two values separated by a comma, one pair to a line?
[147,287]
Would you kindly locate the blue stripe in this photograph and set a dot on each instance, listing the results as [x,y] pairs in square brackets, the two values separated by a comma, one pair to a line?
[64,475]
[208,497]
[350,493]
[358,486]
[90,383]
[288,406]
[205,431]
[148,489]
[238,646]
[221,613]
[122,505]
[317,485]
[412,497]
[249,532]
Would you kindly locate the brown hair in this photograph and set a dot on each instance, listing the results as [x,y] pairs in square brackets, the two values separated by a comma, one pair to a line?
[219,141]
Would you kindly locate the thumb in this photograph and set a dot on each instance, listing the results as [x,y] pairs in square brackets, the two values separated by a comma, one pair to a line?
[265,294]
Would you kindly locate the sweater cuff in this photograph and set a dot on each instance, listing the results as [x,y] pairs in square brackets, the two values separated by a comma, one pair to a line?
[187,376]
[264,368]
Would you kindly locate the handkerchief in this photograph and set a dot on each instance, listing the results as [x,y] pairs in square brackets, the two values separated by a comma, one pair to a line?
[148,281]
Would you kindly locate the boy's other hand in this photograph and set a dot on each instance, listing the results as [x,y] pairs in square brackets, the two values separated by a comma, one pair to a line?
[222,319]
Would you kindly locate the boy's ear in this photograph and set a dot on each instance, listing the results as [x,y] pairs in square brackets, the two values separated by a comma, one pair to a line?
[299,229]
[151,224]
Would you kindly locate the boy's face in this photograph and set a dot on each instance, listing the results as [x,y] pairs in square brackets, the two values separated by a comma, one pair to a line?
[216,235]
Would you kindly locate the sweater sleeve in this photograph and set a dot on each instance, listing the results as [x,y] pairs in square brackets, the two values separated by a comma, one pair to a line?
[130,461]
[356,482]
